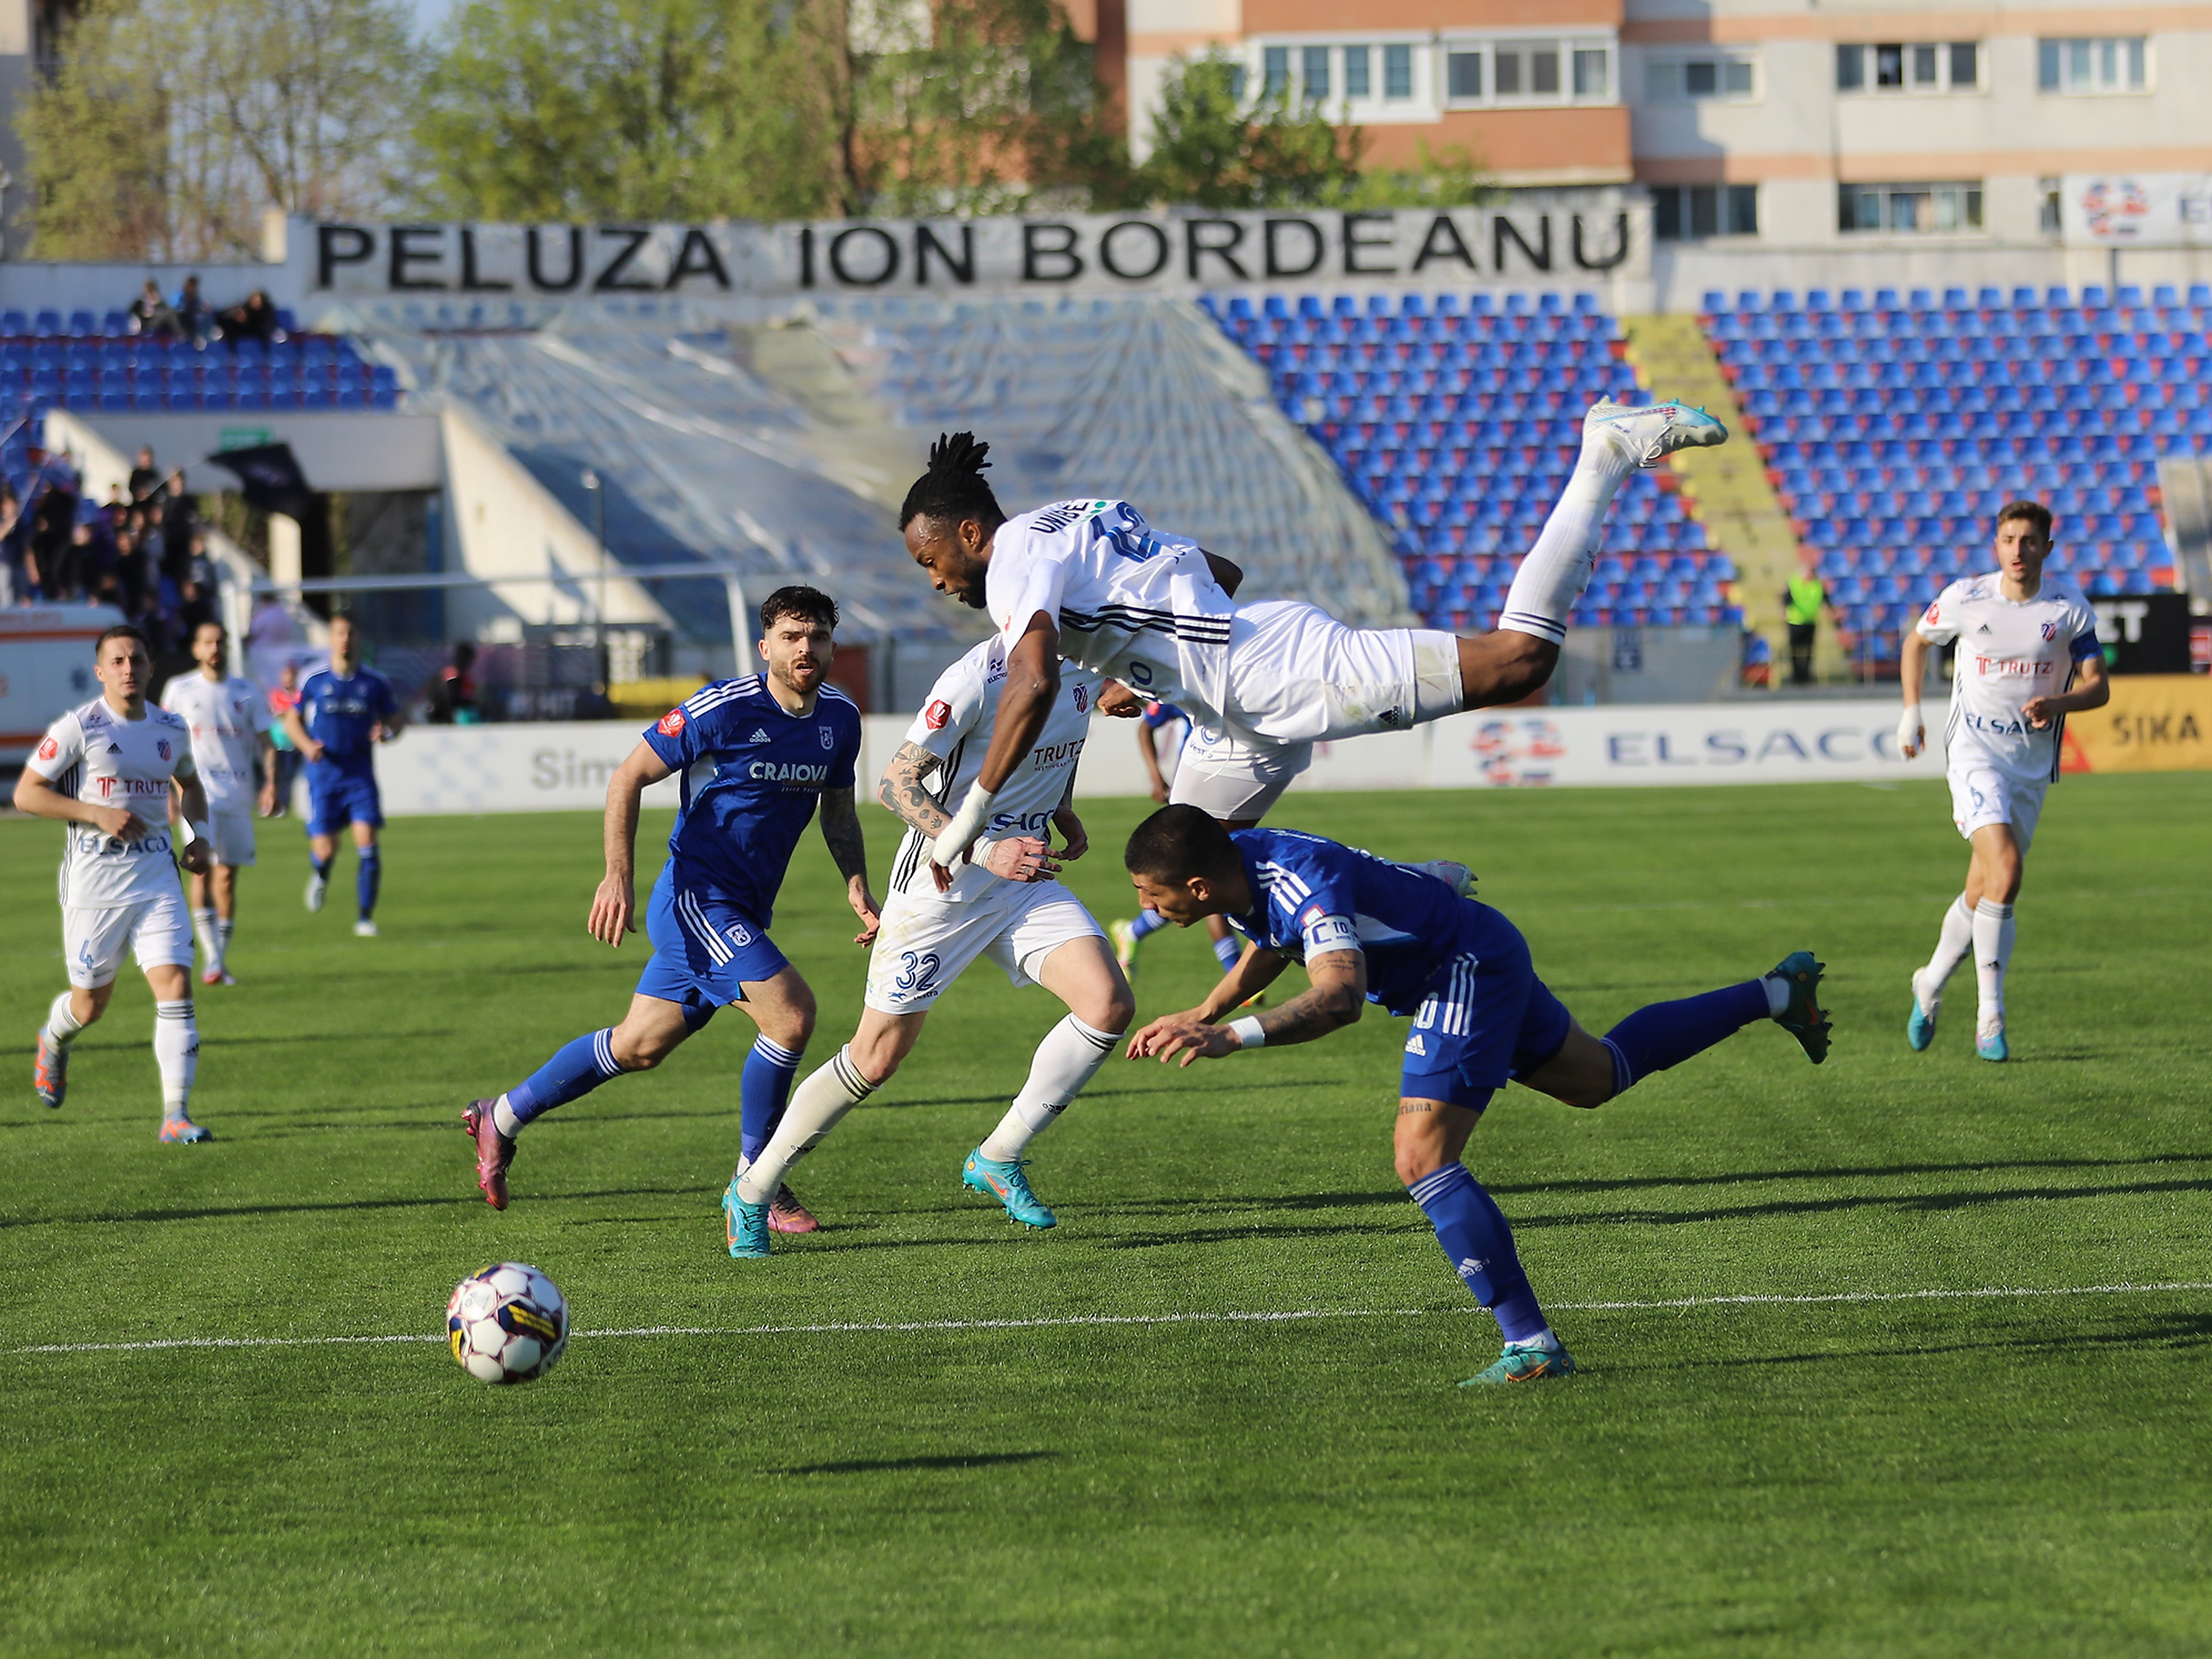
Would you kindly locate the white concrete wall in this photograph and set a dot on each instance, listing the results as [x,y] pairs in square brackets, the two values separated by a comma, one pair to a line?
[337,451]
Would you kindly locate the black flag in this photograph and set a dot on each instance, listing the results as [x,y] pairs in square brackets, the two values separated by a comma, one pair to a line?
[269,478]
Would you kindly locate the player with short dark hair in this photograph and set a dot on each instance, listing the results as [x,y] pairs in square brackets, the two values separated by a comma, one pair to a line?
[344,711]
[1369,930]
[755,756]
[2027,656]
[229,721]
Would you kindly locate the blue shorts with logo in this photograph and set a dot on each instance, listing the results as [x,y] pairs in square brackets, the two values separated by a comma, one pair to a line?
[1486,1017]
[704,949]
[337,797]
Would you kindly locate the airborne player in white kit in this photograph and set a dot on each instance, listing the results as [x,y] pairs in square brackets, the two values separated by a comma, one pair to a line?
[2027,656]
[108,771]
[229,721]
[1004,905]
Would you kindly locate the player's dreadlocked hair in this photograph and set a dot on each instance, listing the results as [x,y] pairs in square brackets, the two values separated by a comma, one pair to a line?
[953,488]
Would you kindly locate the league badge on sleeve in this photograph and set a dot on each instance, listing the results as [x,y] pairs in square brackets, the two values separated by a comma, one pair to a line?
[49,749]
[670,723]
[936,714]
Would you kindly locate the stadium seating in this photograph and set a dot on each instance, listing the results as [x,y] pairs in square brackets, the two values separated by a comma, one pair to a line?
[1893,427]
[90,366]
[1456,419]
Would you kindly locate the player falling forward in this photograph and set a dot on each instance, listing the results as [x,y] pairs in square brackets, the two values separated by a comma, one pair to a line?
[1092,582]
[111,771]
[344,711]
[1369,930]
[756,755]
[1004,905]
[2027,656]
[229,721]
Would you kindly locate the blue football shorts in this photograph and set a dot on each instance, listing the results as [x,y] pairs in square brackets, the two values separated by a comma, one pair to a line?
[704,949]
[1486,1017]
[337,799]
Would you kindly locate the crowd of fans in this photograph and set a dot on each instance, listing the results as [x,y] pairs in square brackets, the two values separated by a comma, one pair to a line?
[187,316]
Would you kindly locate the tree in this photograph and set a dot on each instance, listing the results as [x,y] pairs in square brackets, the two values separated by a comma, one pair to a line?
[174,124]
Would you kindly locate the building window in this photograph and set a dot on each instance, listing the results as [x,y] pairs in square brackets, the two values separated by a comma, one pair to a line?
[1694,80]
[1592,72]
[1464,73]
[1908,209]
[1314,74]
[1680,212]
[1397,71]
[1276,69]
[1512,72]
[2113,63]
[1898,66]
[1357,83]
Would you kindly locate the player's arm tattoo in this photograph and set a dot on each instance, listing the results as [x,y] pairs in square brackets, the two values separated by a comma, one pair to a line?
[903,792]
[840,828]
[1331,1001]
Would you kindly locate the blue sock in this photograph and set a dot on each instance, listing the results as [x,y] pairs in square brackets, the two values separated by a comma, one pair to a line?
[1667,1033]
[1227,951]
[1478,1244]
[763,1091]
[1147,923]
[365,880]
[576,1069]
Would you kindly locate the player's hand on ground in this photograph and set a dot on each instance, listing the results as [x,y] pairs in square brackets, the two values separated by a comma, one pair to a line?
[1075,838]
[1116,702]
[198,858]
[1020,858]
[614,911]
[1186,1034]
[865,907]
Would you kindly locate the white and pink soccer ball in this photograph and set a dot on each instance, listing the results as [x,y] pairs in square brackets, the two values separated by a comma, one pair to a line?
[507,1323]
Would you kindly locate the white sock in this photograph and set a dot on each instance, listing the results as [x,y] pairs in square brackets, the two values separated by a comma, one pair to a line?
[504,1120]
[1952,945]
[1555,571]
[61,1024]
[816,1103]
[177,1052]
[1777,995]
[204,929]
[1068,1058]
[1993,931]
[223,925]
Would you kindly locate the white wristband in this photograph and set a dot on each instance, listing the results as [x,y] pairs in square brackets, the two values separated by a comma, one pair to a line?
[1910,729]
[1248,1033]
[967,824]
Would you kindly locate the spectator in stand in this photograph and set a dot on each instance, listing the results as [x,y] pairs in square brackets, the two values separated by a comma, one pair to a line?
[53,517]
[193,312]
[180,536]
[286,761]
[195,598]
[452,689]
[1802,602]
[14,528]
[147,485]
[153,315]
[253,318]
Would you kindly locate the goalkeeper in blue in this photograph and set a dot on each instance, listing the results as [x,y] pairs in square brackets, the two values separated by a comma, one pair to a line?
[1368,930]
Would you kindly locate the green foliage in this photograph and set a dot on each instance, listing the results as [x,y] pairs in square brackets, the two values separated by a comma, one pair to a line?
[1448,178]
[1213,147]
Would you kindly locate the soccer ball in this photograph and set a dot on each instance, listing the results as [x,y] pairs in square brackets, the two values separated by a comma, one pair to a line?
[507,1323]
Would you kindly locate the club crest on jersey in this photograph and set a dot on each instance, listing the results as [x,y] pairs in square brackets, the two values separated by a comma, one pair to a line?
[740,935]
[828,738]
[936,714]
[670,723]
[2051,631]
[161,747]
[1082,699]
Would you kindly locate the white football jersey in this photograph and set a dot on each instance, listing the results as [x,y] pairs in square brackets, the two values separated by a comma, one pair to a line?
[956,724]
[226,717]
[96,755]
[2008,652]
[1132,605]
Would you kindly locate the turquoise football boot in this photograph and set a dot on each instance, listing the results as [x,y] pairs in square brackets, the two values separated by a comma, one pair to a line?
[1990,1043]
[1803,1018]
[1920,1023]
[1652,432]
[1524,1361]
[1005,1182]
[746,1225]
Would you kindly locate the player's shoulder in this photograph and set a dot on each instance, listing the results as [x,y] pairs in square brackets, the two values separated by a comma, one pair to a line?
[93,716]
[1056,520]
[167,717]
[1961,590]
[321,679]
[178,688]
[837,706]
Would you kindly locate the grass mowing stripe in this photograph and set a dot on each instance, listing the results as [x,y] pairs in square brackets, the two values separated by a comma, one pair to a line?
[1986,1292]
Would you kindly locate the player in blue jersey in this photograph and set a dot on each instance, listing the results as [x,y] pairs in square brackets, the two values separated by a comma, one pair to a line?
[344,711]
[756,755]
[1368,930]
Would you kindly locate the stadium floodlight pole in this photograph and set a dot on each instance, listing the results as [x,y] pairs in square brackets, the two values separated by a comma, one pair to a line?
[740,629]
[591,482]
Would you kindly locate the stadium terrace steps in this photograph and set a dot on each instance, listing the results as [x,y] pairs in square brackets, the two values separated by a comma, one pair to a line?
[1727,488]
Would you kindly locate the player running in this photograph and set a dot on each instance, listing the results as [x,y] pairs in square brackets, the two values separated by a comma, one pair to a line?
[1368,930]
[1005,905]
[113,770]
[2027,656]
[1093,582]
[229,721]
[344,711]
[756,755]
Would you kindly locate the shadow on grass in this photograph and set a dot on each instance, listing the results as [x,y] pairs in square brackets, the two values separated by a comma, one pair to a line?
[214,1211]
[1918,1203]
[1844,1172]
[948,1461]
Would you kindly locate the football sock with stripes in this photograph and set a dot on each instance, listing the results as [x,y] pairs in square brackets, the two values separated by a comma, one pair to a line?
[1993,937]
[1068,1058]
[1952,945]
[62,1023]
[576,1069]
[1227,951]
[224,926]
[828,1093]
[1478,1243]
[203,926]
[1667,1033]
[365,881]
[1147,923]
[1557,569]
[176,1053]
[763,1091]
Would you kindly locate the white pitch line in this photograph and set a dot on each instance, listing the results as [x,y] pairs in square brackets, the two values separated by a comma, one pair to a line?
[886,1328]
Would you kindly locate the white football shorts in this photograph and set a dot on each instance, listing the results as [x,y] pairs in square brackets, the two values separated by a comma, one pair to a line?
[158,930]
[233,835]
[927,943]
[1234,778]
[1983,795]
[1298,675]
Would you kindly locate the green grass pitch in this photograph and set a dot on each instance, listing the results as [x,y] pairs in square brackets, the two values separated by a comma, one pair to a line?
[1938,1474]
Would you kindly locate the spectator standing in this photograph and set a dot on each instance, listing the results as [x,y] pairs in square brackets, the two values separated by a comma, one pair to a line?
[53,518]
[15,575]
[1802,602]
[147,485]
[285,759]
[151,315]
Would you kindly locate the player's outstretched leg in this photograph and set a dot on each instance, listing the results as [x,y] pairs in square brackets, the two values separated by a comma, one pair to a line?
[1953,944]
[1478,1242]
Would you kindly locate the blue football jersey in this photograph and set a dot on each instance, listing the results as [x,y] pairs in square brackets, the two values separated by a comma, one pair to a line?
[752,772]
[1312,896]
[339,713]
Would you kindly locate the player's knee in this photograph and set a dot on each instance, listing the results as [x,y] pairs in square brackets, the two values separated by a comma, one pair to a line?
[1116,1013]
